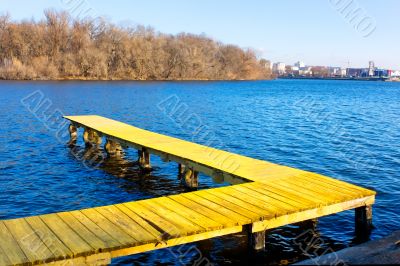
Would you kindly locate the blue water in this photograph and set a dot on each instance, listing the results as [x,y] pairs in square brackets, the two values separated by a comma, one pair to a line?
[345,129]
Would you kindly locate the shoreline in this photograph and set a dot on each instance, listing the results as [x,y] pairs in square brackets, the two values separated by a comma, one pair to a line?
[136,80]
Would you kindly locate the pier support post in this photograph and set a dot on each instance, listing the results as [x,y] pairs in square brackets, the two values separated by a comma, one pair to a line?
[144,159]
[181,171]
[91,137]
[113,148]
[363,221]
[256,240]
[190,178]
[73,134]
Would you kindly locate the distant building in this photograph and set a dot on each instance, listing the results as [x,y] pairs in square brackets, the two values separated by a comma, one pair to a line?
[299,64]
[371,68]
[279,68]
[334,71]
[382,73]
[305,71]
[395,73]
[357,72]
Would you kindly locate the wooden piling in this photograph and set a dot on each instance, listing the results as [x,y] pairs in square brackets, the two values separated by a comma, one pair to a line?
[181,171]
[144,159]
[190,178]
[363,220]
[73,134]
[113,148]
[255,240]
[91,137]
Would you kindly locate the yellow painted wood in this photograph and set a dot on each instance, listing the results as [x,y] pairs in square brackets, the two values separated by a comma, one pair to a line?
[34,249]
[281,195]
[3,258]
[74,242]
[275,195]
[220,220]
[96,243]
[140,221]
[222,210]
[284,194]
[109,240]
[108,226]
[177,241]
[164,226]
[261,213]
[129,226]
[175,217]
[11,248]
[194,217]
[311,214]
[49,238]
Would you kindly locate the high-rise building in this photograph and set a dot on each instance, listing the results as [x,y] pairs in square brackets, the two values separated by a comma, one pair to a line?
[371,68]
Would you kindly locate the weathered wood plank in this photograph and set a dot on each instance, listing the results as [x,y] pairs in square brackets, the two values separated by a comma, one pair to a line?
[74,242]
[34,249]
[11,248]
[49,238]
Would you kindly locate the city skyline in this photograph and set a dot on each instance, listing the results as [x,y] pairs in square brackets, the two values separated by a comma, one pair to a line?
[332,33]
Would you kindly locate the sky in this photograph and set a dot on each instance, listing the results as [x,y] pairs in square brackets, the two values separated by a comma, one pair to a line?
[318,32]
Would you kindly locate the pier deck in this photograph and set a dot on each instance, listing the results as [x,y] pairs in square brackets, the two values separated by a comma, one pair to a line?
[262,196]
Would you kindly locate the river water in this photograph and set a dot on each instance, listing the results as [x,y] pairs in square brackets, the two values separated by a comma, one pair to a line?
[348,130]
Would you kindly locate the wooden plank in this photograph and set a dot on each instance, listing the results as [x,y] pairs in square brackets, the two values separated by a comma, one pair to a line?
[184,225]
[10,247]
[193,216]
[337,184]
[97,244]
[49,238]
[279,194]
[311,214]
[74,242]
[34,249]
[337,194]
[261,213]
[3,257]
[301,193]
[267,199]
[266,206]
[228,204]
[283,194]
[139,220]
[110,241]
[128,225]
[324,198]
[109,227]
[167,229]
[177,241]
[214,207]
[205,211]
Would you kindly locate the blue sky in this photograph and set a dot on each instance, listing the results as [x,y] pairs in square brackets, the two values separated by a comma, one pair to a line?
[314,31]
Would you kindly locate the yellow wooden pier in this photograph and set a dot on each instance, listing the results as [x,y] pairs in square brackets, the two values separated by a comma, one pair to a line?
[262,196]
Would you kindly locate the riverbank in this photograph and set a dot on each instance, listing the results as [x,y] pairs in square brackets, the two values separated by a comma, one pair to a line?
[124,79]
[382,251]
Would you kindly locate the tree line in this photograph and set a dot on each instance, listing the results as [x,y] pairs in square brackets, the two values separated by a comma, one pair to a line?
[59,47]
